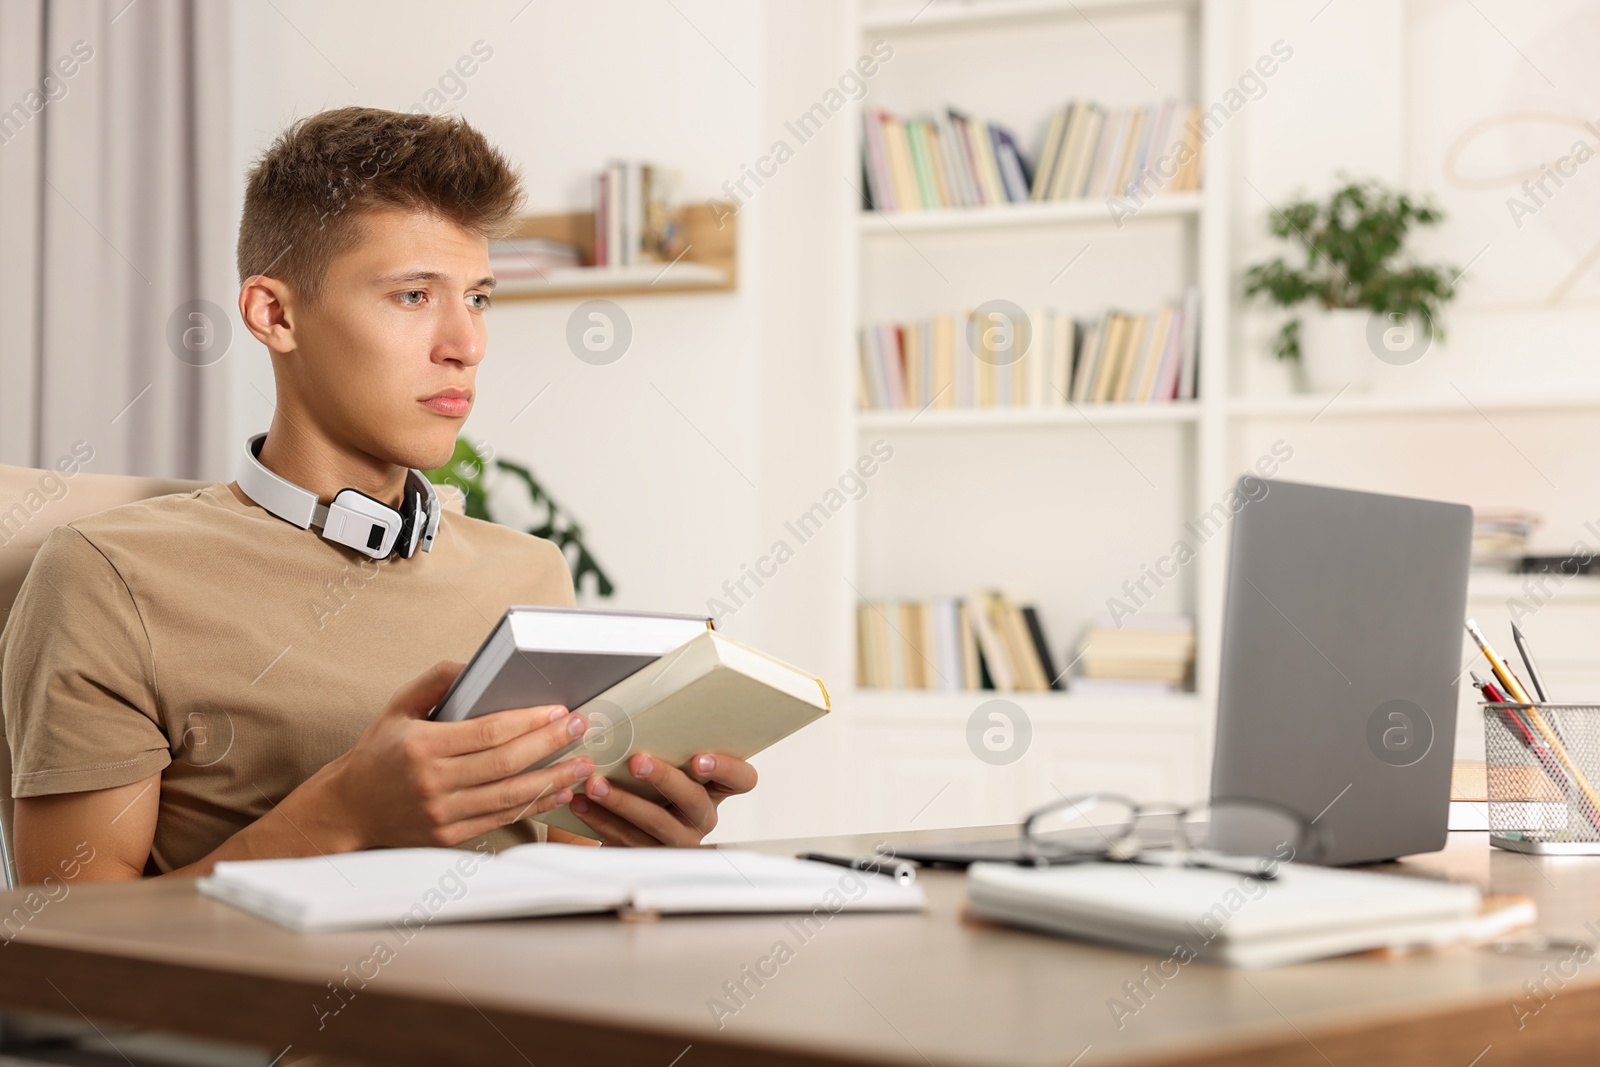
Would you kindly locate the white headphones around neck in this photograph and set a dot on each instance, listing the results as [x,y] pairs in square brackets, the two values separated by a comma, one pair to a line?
[354,519]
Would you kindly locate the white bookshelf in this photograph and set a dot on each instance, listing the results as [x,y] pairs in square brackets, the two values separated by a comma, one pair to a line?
[1126,469]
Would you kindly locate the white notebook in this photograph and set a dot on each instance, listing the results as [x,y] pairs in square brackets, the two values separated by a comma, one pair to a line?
[1306,913]
[412,887]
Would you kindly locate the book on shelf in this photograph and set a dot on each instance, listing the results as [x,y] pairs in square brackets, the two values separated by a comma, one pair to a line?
[1088,152]
[953,644]
[1141,655]
[951,361]
[531,257]
[633,220]
[1500,536]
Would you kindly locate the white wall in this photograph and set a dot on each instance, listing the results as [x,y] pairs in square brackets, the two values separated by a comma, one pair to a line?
[1456,100]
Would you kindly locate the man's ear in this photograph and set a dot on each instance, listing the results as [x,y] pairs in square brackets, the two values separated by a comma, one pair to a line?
[264,304]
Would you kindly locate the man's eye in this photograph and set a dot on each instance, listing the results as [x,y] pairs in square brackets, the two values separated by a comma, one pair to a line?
[482,298]
[418,293]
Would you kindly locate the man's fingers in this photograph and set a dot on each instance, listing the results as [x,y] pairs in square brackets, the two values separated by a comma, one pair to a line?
[490,731]
[612,830]
[727,773]
[419,696]
[647,815]
[694,804]
[519,791]
[467,829]
[519,752]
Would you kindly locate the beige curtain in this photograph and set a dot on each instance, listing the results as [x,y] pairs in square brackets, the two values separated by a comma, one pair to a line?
[115,235]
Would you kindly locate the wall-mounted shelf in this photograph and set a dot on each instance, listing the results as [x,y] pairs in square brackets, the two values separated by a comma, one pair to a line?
[709,262]
[1084,415]
[922,16]
[1031,214]
[949,711]
[1351,404]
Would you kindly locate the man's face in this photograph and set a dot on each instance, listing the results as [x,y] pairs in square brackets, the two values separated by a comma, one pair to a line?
[384,363]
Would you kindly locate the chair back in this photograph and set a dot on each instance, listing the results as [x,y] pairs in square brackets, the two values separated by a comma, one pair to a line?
[32,503]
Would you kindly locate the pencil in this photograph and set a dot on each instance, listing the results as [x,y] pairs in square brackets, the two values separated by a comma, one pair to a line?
[1527,660]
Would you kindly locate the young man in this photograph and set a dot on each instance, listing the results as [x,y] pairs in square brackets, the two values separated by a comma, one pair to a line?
[203,677]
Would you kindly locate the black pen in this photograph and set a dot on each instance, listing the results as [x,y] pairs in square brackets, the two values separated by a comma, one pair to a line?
[902,872]
[1527,660]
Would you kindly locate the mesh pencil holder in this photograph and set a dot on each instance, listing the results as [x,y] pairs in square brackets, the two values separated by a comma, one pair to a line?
[1543,765]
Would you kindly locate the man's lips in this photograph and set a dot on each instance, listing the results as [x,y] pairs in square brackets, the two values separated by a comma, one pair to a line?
[452,402]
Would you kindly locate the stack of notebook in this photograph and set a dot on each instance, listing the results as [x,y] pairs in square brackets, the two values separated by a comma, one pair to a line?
[1189,913]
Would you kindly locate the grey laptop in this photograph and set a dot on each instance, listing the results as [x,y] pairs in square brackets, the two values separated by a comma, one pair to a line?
[1341,656]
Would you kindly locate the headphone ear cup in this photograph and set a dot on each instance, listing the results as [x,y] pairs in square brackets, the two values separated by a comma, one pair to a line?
[411,524]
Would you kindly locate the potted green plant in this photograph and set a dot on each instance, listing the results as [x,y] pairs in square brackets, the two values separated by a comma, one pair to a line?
[467,471]
[1355,298]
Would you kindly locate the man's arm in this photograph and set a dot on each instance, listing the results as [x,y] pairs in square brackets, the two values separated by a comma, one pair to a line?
[119,825]
[406,781]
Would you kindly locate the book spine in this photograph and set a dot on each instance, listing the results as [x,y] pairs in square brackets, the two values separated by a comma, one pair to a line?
[1047,155]
[1091,141]
[968,145]
[601,205]
[971,673]
[906,195]
[927,192]
[878,162]
[1041,647]
[1188,378]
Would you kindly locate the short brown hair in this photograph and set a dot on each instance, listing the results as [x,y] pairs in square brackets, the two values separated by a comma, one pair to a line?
[305,196]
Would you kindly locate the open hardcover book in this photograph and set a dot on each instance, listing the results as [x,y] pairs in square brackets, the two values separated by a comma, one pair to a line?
[412,887]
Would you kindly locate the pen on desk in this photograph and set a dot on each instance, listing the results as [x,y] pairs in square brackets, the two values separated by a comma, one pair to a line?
[902,872]
[1508,681]
[1527,659]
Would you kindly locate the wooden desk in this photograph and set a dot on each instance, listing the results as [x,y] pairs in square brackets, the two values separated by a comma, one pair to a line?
[882,989]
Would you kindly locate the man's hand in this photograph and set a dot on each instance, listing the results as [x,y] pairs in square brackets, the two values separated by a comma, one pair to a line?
[690,811]
[410,781]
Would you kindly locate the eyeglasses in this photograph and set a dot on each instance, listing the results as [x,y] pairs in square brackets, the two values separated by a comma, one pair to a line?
[1235,834]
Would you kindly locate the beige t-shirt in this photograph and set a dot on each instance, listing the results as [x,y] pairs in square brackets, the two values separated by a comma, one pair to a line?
[205,639]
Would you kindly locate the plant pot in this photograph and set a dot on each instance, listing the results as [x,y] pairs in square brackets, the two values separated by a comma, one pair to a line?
[1334,353]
